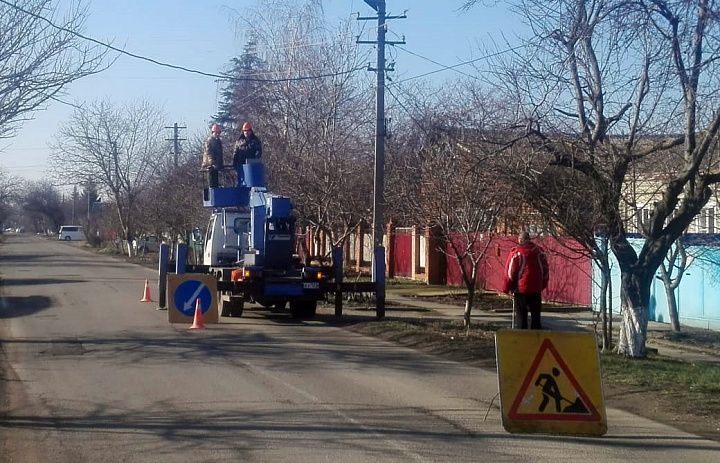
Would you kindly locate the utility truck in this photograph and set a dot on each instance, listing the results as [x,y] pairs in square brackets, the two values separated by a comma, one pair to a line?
[249,247]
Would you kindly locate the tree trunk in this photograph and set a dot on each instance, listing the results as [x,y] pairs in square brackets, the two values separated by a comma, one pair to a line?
[672,306]
[604,287]
[610,311]
[677,261]
[635,297]
[468,306]
[470,280]
[606,314]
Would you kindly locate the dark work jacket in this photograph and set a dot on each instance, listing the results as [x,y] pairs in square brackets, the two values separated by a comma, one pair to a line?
[246,148]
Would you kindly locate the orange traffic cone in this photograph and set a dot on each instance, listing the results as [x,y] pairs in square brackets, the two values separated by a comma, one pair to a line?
[197,321]
[146,293]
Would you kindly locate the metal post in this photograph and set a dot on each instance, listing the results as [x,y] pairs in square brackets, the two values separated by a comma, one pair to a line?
[163,255]
[379,266]
[180,258]
[337,254]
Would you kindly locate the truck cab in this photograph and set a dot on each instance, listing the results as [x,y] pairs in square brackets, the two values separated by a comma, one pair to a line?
[227,239]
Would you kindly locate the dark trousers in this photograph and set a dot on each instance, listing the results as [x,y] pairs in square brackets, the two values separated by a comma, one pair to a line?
[212,179]
[524,303]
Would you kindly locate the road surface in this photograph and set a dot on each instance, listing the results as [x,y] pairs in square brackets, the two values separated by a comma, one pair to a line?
[94,375]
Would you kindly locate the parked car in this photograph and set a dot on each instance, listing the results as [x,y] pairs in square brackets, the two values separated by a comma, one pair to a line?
[147,244]
[72,233]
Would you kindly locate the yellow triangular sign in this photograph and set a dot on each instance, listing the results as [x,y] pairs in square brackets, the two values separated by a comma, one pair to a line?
[551,392]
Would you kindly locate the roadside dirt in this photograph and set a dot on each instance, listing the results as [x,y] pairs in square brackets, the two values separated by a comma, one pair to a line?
[477,347]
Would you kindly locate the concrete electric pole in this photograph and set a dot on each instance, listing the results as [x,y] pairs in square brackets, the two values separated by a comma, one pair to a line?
[176,142]
[378,268]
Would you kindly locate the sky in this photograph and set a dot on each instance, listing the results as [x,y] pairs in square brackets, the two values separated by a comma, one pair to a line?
[201,35]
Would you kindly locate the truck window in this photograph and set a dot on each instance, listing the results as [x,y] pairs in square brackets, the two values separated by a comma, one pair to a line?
[279,226]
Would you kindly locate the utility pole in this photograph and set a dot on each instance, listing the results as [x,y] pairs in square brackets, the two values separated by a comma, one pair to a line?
[378,268]
[74,197]
[176,141]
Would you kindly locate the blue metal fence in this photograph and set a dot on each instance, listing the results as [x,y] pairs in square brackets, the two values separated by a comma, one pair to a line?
[698,295]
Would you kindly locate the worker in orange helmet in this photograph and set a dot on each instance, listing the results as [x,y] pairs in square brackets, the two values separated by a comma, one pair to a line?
[213,156]
[247,147]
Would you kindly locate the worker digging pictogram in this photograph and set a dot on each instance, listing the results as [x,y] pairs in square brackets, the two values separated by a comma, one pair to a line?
[551,392]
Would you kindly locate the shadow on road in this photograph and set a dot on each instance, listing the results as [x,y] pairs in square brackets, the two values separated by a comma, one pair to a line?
[13,307]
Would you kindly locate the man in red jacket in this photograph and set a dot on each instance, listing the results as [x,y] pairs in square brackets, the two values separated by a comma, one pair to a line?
[526,276]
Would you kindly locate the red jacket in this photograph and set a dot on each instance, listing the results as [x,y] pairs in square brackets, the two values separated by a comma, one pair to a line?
[526,270]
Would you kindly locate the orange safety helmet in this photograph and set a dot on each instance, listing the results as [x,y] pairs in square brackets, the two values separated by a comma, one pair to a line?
[216,128]
[246,126]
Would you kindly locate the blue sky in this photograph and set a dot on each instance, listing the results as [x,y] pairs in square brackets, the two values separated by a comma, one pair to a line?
[199,34]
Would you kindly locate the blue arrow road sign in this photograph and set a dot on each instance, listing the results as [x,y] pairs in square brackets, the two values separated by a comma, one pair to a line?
[187,294]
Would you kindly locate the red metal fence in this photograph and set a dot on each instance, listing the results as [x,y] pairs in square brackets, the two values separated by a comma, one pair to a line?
[570,273]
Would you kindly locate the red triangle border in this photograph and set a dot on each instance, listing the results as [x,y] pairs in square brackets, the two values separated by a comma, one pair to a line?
[513,413]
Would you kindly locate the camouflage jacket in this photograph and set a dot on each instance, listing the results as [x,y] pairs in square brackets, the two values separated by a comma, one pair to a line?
[212,153]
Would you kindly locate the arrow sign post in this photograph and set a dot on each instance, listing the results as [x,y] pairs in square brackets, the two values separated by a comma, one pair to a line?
[183,292]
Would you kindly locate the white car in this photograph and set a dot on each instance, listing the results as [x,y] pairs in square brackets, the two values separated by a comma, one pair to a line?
[72,233]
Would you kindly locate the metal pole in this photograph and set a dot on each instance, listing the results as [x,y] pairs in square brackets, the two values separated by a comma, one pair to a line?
[163,256]
[378,200]
[378,197]
[338,264]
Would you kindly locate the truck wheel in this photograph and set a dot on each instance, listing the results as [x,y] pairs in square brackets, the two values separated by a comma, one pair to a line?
[235,306]
[280,306]
[303,310]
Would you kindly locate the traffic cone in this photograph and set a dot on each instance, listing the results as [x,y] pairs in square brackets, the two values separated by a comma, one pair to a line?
[146,293]
[197,321]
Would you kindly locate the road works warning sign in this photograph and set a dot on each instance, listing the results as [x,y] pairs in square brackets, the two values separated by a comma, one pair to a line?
[550,382]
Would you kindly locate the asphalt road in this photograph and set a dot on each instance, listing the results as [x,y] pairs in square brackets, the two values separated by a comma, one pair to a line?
[94,375]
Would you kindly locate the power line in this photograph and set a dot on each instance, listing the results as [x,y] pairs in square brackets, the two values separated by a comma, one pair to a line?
[407,111]
[464,63]
[248,77]
[444,67]
[168,65]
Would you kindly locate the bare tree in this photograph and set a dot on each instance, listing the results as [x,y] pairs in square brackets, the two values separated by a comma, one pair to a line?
[88,198]
[601,86]
[8,194]
[459,201]
[298,87]
[563,204]
[182,187]
[444,178]
[40,53]
[120,149]
[42,202]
